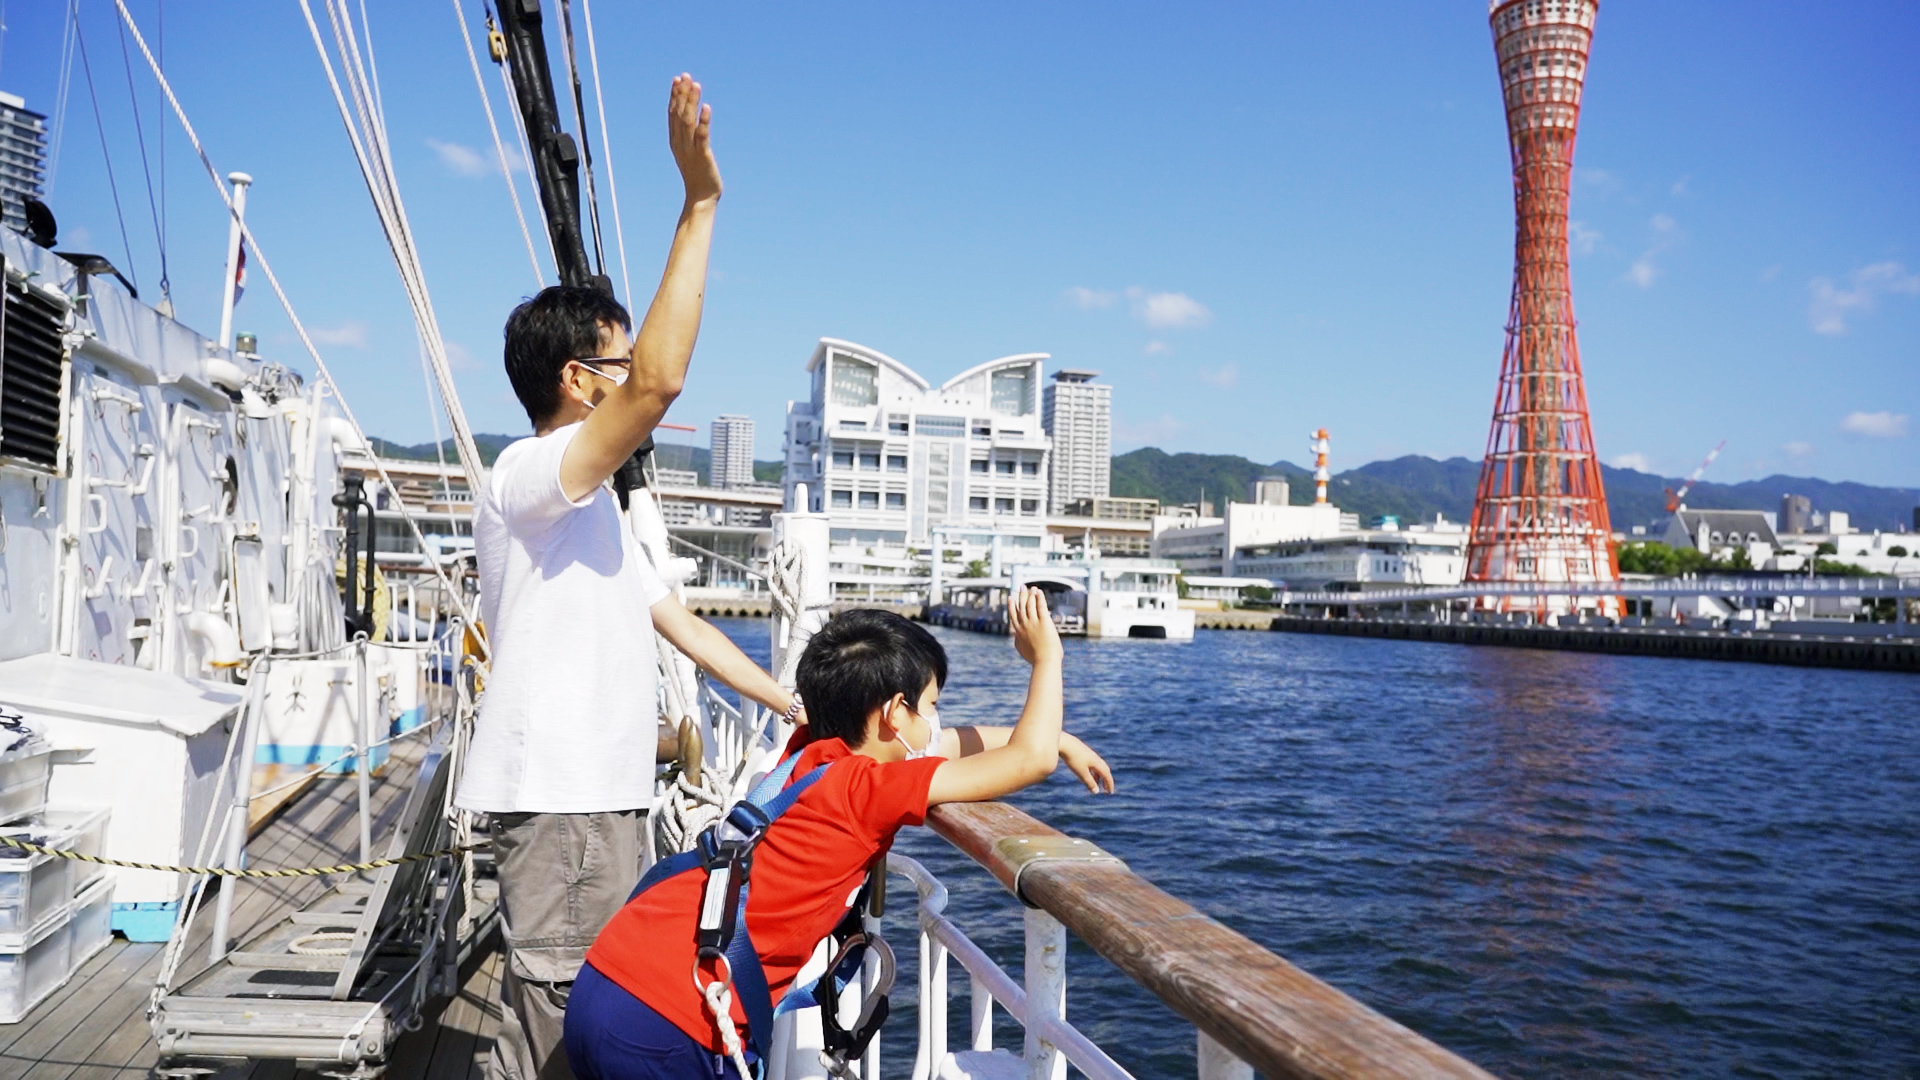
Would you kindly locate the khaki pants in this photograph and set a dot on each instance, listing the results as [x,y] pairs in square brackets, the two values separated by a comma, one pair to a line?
[562,877]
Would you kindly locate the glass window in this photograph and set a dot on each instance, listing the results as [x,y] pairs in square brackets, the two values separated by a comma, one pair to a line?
[855,382]
[1004,468]
[1029,468]
[941,427]
[980,465]
[983,429]
[1003,506]
[870,461]
[896,424]
[843,500]
[1029,506]
[843,459]
[977,502]
[896,463]
[896,500]
[869,500]
[1010,391]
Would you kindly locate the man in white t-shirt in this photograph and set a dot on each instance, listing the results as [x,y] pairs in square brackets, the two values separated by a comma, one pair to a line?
[562,759]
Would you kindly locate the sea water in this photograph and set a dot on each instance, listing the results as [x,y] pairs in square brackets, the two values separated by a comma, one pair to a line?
[1553,863]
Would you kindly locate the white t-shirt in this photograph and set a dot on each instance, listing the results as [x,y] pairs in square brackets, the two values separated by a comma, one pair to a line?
[569,719]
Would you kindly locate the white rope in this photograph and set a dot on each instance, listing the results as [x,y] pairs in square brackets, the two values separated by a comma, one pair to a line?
[526,148]
[500,149]
[286,304]
[606,151]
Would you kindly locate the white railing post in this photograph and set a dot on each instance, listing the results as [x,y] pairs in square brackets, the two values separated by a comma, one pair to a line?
[981,1004]
[807,534]
[936,1005]
[1046,976]
[1216,1062]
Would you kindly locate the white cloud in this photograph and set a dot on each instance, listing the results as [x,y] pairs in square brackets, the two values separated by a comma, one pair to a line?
[1597,182]
[1582,239]
[1798,449]
[1089,299]
[1156,348]
[1833,305]
[1644,270]
[1160,430]
[1876,425]
[466,161]
[1223,377]
[459,357]
[351,334]
[1168,310]
[1635,461]
[1680,186]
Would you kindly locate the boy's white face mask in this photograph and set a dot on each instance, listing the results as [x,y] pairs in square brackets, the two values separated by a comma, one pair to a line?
[932,717]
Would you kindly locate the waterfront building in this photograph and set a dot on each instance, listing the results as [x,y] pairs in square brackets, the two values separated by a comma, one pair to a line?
[23,159]
[1431,554]
[1717,533]
[893,460]
[1077,414]
[1204,545]
[731,443]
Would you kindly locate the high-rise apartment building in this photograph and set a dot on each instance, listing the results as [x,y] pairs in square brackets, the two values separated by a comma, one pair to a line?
[23,158]
[1077,415]
[732,447]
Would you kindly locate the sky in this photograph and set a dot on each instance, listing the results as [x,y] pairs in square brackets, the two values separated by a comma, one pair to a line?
[1253,219]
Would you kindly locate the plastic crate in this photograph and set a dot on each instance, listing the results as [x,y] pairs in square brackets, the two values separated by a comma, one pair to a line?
[81,830]
[28,974]
[92,922]
[33,889]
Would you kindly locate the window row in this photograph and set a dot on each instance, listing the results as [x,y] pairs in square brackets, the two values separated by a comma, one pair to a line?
[1005,467]
[867,500]
[868,461]
[979,503]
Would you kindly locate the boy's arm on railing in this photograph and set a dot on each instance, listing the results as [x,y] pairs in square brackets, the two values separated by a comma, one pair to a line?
[1087,765]
[1032,748]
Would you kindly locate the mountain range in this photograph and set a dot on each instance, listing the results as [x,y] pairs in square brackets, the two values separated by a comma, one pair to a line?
[1412,488]
[1415,488]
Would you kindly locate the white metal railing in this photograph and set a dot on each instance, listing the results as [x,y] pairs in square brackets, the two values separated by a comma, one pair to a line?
[1875,587]
[1051,1043]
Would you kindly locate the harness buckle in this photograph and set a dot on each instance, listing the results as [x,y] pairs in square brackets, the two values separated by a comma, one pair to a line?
[842,1046]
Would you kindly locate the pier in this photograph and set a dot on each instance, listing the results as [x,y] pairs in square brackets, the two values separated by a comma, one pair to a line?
[1762,647]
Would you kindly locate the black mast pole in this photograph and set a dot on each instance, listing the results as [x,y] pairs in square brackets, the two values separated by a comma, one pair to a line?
[556,157]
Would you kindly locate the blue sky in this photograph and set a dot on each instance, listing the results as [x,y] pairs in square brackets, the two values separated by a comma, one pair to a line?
[1254,219]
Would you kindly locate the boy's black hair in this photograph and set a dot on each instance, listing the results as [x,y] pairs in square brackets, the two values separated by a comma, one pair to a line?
[561,324]
[858,661]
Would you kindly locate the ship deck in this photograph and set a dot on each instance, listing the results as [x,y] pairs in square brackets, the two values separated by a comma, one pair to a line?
[95,1027]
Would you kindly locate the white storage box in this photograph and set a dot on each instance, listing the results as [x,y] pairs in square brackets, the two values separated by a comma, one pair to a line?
[24,772]
[29,974]
[154,746]
[81,830]
[34,889]
[92,922]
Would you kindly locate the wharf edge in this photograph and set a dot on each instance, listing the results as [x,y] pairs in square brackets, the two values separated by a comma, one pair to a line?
[1868,654]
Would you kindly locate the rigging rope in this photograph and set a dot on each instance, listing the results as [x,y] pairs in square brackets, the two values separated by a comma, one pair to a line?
[113,186]
[500,149]
[497,49]
[58,135]
[146,171]
[606,148]
[300,329]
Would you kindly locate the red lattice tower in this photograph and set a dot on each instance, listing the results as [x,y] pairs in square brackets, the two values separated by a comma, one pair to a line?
[1540,514]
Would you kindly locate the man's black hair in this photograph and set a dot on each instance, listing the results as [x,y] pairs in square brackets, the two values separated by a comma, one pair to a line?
[561,324]
[858,661]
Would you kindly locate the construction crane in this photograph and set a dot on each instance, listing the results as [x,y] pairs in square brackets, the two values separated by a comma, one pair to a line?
[1675,498]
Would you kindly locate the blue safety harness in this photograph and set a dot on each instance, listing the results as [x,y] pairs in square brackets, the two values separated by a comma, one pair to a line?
[724,853]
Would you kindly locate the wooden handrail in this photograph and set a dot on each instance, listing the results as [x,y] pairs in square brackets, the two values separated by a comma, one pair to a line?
[1269,1013]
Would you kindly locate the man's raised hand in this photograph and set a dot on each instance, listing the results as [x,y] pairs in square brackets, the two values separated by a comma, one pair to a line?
[689,128]
[1032,625]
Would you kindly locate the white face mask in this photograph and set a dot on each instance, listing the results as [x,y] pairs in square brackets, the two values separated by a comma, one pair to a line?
[932,717]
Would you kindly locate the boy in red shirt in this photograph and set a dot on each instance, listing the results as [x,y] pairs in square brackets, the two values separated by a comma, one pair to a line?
[871,681]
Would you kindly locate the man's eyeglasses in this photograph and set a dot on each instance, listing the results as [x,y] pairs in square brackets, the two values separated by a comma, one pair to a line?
[621,365]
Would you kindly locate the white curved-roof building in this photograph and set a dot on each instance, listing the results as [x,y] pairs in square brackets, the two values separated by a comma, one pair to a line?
[889,455]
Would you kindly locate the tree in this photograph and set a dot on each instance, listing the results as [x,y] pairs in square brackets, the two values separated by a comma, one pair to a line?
[1827,547]
[976,568]
[1897,551]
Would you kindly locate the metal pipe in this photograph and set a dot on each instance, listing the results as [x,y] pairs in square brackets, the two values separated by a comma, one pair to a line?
[1046,979]
[230,292]
[237,815]
[362,765]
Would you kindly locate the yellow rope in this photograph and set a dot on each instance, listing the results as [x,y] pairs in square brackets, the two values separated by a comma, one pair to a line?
[223,871]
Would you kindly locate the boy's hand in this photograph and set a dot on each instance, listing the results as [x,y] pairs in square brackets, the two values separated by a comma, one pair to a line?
[1091,768]
[1033,630]
[689,125]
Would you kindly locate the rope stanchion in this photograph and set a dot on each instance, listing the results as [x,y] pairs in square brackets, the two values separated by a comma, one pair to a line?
[225,871]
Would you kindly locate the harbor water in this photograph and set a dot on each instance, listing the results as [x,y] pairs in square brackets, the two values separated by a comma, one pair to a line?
[1554,863]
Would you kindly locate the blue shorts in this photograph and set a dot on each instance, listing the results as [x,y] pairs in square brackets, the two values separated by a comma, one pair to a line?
[612,1035]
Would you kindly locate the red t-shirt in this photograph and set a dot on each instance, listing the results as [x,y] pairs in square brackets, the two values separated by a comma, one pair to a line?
[805,873]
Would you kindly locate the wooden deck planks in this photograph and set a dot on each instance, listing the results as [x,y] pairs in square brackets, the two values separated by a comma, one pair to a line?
[95,1027]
